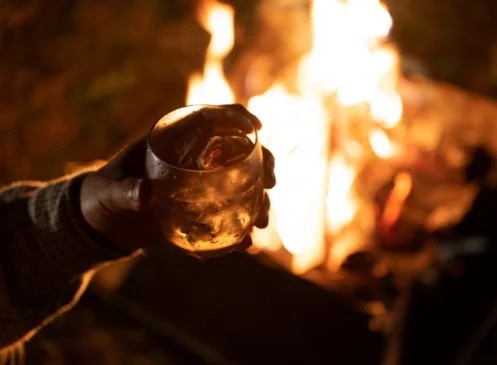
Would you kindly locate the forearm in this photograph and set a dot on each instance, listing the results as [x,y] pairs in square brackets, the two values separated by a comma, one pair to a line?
[45,252]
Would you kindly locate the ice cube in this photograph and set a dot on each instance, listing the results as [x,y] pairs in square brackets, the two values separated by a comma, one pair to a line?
[224,150]
[200,143]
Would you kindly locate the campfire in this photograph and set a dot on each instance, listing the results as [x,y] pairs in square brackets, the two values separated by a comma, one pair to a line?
[334,122]
[369,161]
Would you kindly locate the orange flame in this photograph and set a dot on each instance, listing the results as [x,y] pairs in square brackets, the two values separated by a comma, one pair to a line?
[315,204]
[382,146]
[211,87]
[340,202]
[297,200]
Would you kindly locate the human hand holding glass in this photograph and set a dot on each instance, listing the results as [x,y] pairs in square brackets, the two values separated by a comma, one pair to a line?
[119,201]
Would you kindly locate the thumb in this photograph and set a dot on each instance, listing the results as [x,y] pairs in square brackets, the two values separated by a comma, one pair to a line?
[128,194]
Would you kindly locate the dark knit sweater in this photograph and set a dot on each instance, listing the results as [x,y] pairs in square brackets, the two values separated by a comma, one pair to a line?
[46,255]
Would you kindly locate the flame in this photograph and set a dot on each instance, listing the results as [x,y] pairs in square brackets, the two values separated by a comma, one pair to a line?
[297,200]
[211,87]
[341,248]
[349,76]
[347,61]
[340,203]
[381,144]
[385,102]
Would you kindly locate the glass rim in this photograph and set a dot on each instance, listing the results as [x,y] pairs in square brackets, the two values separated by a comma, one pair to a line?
[198,107]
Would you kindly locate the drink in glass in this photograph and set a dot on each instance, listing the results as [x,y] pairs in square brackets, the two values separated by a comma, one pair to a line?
[207,165]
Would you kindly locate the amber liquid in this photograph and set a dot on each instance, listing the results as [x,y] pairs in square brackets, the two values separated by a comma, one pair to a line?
[211,224]
[213,208]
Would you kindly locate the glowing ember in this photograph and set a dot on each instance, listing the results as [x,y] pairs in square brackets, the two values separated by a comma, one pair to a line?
[348,79]
[400,192]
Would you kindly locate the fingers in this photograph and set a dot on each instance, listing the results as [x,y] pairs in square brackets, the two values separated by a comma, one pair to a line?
[129,194]
[269,176]
[229,118]
[110,208]
[268,158]
[130,161]
[242,110]
[263,218]
[244,244]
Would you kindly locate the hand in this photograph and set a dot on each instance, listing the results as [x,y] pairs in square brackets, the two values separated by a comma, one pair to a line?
[115,200]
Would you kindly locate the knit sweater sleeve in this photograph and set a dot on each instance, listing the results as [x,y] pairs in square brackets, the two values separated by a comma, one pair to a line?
[46,253]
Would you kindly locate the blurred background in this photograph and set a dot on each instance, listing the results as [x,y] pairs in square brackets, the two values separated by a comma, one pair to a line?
[78,79]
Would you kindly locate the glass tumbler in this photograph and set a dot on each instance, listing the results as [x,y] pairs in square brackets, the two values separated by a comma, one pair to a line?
[205,208]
